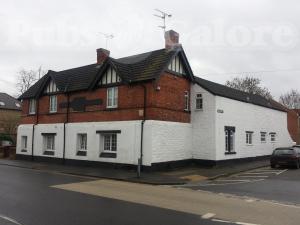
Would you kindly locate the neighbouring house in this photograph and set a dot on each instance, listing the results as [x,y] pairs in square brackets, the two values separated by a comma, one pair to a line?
[10,113]
[147,108]
[294,124]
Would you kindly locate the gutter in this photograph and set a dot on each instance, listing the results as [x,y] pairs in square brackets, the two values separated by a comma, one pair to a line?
[140,160]
[66,121]
[33,129]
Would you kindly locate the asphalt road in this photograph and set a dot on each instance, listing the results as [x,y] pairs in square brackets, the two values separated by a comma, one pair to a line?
[27,198]
[283,187]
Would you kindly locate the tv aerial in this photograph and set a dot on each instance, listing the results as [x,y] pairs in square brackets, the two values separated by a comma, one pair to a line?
[163,15]
[107,38]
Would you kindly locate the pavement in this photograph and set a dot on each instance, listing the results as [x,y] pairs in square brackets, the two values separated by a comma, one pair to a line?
[177,176]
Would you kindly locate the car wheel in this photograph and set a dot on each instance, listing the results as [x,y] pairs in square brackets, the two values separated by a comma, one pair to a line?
[273,166]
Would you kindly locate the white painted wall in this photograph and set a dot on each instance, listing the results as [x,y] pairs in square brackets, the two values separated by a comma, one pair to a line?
[24,130]
[169,141]
[248,117]
[203,123]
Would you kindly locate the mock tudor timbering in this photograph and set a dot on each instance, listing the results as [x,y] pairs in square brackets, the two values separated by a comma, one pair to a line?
[149,107]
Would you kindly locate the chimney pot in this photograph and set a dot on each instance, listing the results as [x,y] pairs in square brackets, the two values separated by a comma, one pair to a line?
[102,55]
[171,40]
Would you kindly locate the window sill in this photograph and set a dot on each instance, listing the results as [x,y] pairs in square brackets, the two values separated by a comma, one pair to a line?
[249,145]
[81,153]
[31,114]
[111,108]
[230,153]
[23,150]
[199,110]
[48,153]
[108,155]
[53,112]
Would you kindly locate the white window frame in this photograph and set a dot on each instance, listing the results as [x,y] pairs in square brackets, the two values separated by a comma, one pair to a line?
[53,103]
[273,137]
[24,142]
[32,106]
[249,137]
[112,97]
[199,101]
[81,146]
[110,142]
[46,138]
[186,101]
[263,137]
[230,134]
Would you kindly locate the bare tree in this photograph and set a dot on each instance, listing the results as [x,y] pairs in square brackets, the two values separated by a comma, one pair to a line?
[291,99]
[249,84]
[26,78]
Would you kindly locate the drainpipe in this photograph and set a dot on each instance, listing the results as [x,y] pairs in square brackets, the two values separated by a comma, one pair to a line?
[140,160]
[33,129]
[66,121]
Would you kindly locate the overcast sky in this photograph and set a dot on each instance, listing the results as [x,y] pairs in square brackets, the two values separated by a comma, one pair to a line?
[222,38]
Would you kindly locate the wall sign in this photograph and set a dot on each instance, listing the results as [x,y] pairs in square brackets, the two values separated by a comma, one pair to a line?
[79,104]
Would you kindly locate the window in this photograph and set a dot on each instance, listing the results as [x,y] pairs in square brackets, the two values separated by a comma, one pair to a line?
[199,101]
[273,137]
[176,65]
[32,106]
[81,144]
[23,143]
[109,142]
[49,144]
[249,137]
[53,104]
[110,77]
[263,137]
[229,140]
[112,97]
[186,101]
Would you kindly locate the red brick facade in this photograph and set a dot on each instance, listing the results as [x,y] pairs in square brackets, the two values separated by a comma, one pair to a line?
[165,101]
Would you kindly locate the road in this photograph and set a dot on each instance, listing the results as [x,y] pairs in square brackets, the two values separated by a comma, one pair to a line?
[280,185]
[31,197]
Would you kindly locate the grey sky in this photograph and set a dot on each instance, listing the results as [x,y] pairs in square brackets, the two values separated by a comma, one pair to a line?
[220,37]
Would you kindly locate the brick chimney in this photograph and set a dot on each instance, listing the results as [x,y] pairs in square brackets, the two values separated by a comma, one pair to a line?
[171,40]
[102,55]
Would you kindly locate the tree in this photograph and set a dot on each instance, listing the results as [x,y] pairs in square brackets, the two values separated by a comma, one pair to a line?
[26,78]
[249,84]
[291,99]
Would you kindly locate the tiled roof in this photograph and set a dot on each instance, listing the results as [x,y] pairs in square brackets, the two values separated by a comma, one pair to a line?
[9,102]
[227,92]
[142,67]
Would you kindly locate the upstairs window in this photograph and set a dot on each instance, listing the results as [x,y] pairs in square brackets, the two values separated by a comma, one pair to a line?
[186,101]
[110,77]
[112,97]
[199,101]
[53,104]
[176,65]
[249,137]
[32,106]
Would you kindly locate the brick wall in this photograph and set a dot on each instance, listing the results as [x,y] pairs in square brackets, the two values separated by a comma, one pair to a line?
[293,125]
[165,104]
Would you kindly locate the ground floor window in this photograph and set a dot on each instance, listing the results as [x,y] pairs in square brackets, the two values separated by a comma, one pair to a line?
[273,137]
[109,142]
[82,144]
[24,144]
[49,144]
[229,140]
[263,137]
[249,137]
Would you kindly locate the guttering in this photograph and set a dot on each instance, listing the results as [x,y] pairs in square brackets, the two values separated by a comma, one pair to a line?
[66,121]
[33,129]
[140,160]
